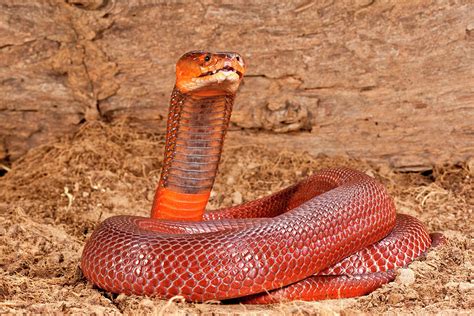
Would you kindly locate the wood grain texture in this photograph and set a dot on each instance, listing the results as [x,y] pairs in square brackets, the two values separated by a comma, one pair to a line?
[385,81]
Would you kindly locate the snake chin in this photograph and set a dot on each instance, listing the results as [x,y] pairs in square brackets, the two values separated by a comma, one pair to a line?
[227,70]
[224,79]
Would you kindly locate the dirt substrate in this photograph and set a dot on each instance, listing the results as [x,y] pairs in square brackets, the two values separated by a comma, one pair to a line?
[53,198]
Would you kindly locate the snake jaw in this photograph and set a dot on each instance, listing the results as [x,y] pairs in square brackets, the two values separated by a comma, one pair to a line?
[225,82]
[225,70]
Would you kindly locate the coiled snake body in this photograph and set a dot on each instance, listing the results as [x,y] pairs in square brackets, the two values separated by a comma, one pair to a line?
[332,235]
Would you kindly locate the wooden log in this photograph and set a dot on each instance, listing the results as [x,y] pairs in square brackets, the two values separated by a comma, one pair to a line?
[386,81]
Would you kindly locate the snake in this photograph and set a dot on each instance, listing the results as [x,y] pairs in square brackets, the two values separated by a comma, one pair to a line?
[335,234]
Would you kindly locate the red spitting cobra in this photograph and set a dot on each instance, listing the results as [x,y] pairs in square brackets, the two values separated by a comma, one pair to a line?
[332,235]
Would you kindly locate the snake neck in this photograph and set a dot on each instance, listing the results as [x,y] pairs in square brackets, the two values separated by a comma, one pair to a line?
[196,128]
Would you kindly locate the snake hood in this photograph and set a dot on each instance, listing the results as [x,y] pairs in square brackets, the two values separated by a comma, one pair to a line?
[209,73]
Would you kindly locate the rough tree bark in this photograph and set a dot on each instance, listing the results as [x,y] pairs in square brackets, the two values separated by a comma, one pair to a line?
[381,80]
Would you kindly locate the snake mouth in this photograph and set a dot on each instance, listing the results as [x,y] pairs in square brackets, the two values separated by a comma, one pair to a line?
[225,69]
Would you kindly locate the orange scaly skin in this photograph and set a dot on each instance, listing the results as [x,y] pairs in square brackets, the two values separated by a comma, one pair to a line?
[336,232]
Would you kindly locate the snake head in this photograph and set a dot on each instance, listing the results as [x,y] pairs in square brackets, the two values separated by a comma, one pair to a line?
[209,73]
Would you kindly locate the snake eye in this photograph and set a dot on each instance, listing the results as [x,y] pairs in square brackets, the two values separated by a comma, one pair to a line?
[207,58]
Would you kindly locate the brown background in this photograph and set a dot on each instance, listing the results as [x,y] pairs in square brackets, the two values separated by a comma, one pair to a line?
[384,81]
[391,82]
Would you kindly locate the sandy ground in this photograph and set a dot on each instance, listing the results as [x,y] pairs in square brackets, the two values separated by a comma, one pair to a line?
[52,199]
